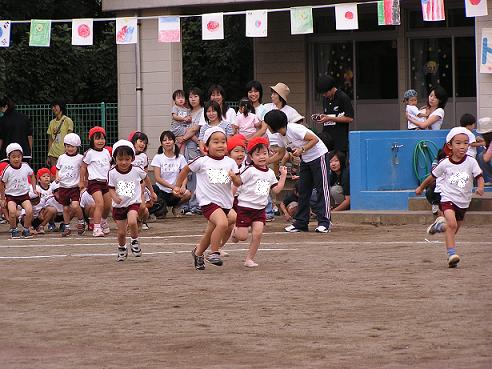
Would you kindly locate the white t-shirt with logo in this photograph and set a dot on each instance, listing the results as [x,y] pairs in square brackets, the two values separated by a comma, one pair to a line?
[255,187]
[16,180]
[98,164]
[69,170]
[127,185]
[457,179]
[294,138]
[170,168]
[213,182]
[141,160]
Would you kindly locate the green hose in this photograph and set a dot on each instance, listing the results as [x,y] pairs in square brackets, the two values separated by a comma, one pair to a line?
[423,155]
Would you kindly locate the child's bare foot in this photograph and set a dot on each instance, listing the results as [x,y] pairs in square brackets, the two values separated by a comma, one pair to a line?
[250,263]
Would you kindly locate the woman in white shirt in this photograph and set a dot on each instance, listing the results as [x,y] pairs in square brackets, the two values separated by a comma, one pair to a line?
[435,110]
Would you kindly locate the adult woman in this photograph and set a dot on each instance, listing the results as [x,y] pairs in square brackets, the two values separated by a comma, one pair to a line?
[217,93]
[254,90]
[14,127]
[339,183]
[57,130]
[434,110]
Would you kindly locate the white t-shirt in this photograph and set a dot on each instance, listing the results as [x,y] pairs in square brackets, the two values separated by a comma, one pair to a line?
[247,125]
[44,193]
[86,199]
[255,187]
[291,113]
[51,201]
[98,164]
[229,117]
[472,151]
[413,111]
[226,126]
[69,170]
[36,209]
[437,125]
[457,183]
[141,160]
[294,138]
[16,180]
[127,185]
[213,184]
[170,168]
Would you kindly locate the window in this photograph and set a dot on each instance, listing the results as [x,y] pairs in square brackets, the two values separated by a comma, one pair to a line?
[465,67]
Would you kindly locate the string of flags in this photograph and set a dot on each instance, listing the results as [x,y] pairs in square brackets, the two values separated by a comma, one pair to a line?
[169,27]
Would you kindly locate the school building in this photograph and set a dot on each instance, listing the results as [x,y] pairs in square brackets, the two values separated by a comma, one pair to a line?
[374,64]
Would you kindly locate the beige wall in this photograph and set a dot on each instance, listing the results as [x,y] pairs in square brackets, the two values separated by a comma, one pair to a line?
[484,80]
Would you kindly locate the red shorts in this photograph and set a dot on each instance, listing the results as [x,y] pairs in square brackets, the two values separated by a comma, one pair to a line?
[17,199]
[234,203]
[207,210]
[121,213]
[94,186]
[246,216]
[459,213]
[67,195]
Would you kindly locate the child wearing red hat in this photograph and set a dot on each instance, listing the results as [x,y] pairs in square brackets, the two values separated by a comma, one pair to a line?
[43,212]
[256,181]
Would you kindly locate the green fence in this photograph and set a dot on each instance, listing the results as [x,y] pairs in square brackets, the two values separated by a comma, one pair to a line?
[84,117]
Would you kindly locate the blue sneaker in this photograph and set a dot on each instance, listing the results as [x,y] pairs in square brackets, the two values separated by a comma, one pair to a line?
[26,233]
[14,233]
[52,227]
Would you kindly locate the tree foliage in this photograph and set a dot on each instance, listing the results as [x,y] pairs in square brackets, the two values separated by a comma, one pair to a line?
[78,74]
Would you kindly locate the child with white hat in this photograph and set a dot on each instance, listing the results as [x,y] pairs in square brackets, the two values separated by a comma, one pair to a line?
[457,171]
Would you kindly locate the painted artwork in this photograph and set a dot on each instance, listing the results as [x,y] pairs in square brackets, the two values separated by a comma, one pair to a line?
[346,16]
[256,23]
[169,29]
[389,12]
[433,10]
[476,8]
[40,34]
[126,31]
[213,26]
[82,32]
[5,33]
[301,20]
[486,52]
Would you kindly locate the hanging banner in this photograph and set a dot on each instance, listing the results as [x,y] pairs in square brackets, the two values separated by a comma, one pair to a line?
[256,23]
[346,16]
[169,29]
[389,12]
[4,33]
[433,10]
[301,20]
[82,32]
[486,52]
[40,34]
[213,26]
[476,8]
[126,31]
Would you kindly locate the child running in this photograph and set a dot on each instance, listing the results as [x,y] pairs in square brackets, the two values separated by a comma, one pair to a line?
[68,175]
[126,188]
[140,142]
[457,171]
[15,188]
[215,173]
[256,182]
[94,177]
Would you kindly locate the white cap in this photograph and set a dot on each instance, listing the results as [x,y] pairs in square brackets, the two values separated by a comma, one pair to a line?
[72,139]
[209,132]
[297,118]
[457,131]
[123,143]
[13,147]
[484,125]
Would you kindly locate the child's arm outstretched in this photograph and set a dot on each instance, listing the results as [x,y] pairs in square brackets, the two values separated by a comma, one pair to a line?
[235,178]
[480,185]
[281,183]
[83,176]
[182,177]
[148,184]
[114,196]
[2,194]
[424,184]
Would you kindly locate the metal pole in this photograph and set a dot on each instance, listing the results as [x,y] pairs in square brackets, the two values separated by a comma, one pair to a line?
[138,88]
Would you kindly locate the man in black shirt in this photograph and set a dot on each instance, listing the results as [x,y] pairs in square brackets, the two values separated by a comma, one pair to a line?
[338,113]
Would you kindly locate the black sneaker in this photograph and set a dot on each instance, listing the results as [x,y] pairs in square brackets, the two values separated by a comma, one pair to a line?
[199,261]
[136,250]
[214,258]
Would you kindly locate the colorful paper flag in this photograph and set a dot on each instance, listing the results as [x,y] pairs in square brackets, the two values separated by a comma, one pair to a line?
[256,23]
[40,34]
[82,32]
[346,16]
[476,8]
[433,10]
[301,20]
[389,12]
[486,51]
[213,26]
[4,33]
[169,29]
[126,31]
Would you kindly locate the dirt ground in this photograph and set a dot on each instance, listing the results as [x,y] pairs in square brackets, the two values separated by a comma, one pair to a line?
[359,297]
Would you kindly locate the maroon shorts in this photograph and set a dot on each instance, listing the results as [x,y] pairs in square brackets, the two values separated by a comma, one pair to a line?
[67,195]
[95,186]
[207,210]
[17,199]
[234,203]
[246,216]
[459,213]
[121,213]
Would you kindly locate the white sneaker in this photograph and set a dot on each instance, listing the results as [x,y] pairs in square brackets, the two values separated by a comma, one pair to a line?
[136,250]
[433,228]
[322,229]
[97,232]
[105,228]
[292,229]
[145,227]
[453,261]
[122,254]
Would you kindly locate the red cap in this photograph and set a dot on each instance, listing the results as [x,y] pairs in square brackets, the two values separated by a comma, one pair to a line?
[43,171]
[236,140]
[96,129]
[110,149]
[53,170]
[3,165]
[257,141]
[130,136]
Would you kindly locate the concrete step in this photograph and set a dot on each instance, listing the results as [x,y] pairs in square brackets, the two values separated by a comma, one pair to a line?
[391,217]
[478,203]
